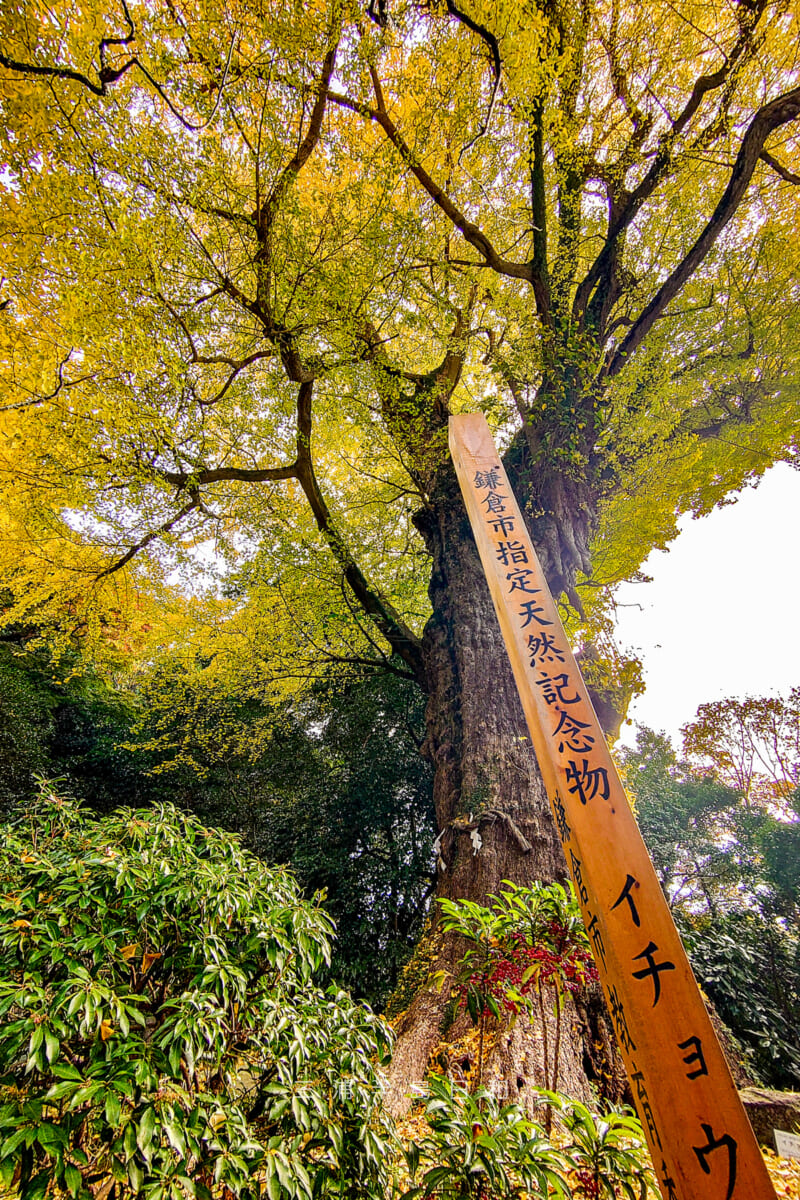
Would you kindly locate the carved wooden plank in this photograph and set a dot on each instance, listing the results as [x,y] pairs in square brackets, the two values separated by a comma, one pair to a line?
[699,1136]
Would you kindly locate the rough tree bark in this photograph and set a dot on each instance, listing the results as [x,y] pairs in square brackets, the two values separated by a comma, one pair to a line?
[487,778]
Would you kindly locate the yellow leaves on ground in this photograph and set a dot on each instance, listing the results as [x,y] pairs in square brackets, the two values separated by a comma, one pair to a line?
[785,1175]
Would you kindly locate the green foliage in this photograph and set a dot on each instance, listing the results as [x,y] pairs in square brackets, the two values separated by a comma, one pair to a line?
[608,1152]
[525,935]
[679,811]
[342,795]
[330,783]
[749,965]
[160,1022]
[779,844]
[478,1148]
[25,725]
[60,718]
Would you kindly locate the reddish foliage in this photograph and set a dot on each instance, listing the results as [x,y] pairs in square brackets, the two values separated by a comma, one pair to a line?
[589,1186]
[563,963]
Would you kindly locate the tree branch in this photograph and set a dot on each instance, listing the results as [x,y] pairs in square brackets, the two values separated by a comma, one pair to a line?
[778,112]
[402,640]
[266,214]
[539,276]
[61,383]
[306,147]
[488,38]
[467,228]
[209,360]
[108,75]
[629,203]
[779,168]
[205,475]
[164,527]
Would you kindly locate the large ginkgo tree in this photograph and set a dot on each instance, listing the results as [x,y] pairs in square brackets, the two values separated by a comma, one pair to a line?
[254,254]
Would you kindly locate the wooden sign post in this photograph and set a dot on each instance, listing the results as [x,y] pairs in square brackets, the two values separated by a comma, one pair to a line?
[702,1144]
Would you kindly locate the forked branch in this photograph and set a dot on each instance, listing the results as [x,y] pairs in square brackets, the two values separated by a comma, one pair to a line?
[772,116]
[108,75]
[158,532]
[630,203]
[471,232]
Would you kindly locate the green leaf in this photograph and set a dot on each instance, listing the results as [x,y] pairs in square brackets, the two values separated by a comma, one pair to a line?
[11,1143]
[35,1188]
[145,1129]
[135,1175]
[48,1134]
[175,1135]
[73,1179]
[113,1109]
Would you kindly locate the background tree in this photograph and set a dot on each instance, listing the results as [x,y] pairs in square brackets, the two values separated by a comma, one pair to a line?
[63,719]
[333,786]
[255,258]
[752,744]
[728,863]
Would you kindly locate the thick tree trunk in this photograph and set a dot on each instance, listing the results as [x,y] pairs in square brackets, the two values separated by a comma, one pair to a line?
[486,780]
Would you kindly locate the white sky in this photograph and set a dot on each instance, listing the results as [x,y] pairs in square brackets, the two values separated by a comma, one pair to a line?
[722,615]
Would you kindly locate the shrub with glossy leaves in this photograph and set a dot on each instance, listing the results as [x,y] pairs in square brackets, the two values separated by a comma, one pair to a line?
[160,1030]
[526,949]
[480,1149]
[526,938]
[607,1150]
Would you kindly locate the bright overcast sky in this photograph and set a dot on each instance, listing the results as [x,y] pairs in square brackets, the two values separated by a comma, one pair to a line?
[721,617]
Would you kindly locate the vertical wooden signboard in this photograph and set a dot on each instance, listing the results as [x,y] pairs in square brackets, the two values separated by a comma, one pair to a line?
[702,1144]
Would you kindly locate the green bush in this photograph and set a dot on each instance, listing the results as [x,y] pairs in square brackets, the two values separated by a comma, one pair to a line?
[607,1151]
[479,1150]
[161,1032]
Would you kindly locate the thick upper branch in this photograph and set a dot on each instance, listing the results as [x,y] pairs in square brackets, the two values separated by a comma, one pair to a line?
[773,115]
[779,168]
[471,232]
[205,475]
[306,147]
[628,204]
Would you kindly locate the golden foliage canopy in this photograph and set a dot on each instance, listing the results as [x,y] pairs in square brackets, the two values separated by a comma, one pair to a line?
[254,253]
